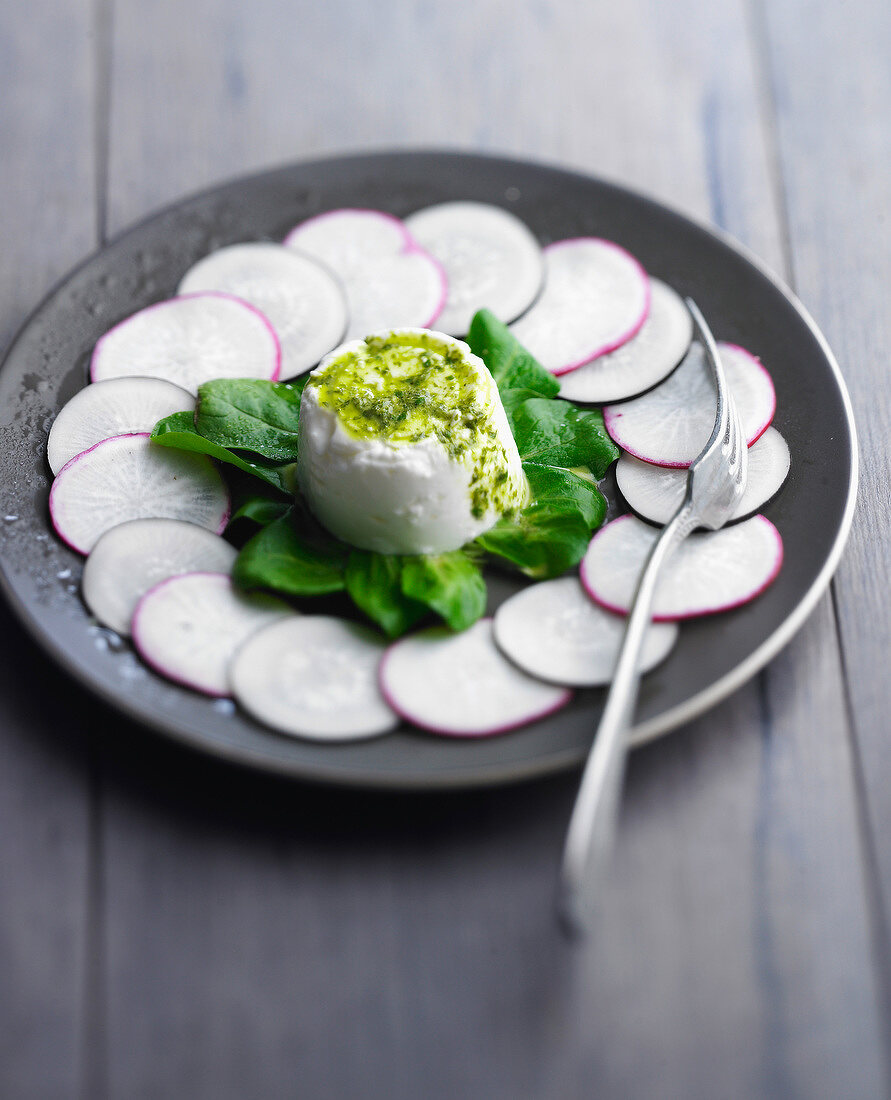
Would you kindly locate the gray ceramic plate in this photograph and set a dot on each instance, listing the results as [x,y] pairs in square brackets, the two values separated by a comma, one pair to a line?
[745,305]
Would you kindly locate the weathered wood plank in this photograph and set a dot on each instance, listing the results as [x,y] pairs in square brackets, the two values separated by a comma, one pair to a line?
[835,145]
[264,940]
[46,225]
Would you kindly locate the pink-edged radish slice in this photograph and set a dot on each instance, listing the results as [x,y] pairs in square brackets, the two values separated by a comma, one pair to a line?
[641,362]
[490,259]
[126,477]
[303,301]
[314,677]
[133,557]
[189,627]
[670,425]
[462,685]
[554,631]
[389,279]
[190,340]
[595,297]
[656,492]
[120,406]
[707,573]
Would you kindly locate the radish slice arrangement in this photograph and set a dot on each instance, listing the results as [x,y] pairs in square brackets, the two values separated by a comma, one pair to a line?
[389,279]
[707,573]
[461,685]
[120,406]
[125,477]
[595,297]
[656,492]
[671,424]
[554,631]
[133,557]
[302,300]
[489,256]
[190,340]
[150,517]
[643,361]
[315,677]
[189,628]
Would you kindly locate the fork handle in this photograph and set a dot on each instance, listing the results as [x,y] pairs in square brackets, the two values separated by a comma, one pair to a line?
[593,822]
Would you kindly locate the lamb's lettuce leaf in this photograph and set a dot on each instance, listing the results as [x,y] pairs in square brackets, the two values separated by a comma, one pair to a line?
[179,431]
[558,433]
[258,509]
[374,584]
[509,363]
[450,584]
[250,414]
[568,489]
[293,556]
[544,540]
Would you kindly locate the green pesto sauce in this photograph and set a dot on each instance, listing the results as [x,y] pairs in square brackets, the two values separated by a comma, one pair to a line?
[408,388]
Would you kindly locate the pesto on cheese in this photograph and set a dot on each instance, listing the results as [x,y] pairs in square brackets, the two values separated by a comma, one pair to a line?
[405,387]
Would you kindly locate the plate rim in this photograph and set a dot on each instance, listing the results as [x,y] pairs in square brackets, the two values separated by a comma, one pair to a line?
[490,775]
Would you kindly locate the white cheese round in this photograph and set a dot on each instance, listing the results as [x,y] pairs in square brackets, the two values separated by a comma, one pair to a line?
[404,445]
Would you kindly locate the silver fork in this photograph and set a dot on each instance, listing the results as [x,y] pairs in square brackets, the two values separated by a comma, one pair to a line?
[715,484]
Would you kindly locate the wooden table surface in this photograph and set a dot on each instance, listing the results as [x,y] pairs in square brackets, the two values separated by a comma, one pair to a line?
[172,927]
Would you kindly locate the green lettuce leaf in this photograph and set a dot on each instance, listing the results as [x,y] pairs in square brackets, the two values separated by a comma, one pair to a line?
[509,363]
[290,556]
[450,584]
[249,414]
[557,433]
[178,431]
[259,510]
[542,541]
[374,584]
[566,489]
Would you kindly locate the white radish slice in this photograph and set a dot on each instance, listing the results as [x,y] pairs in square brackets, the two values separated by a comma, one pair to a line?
[643,361]
[189,627]
[133,557]
[302,300]
[389,279]
[656,492]
[490,259]
[120,406]
[127,477]
[190,340]
[670,425]
[314,677]
[595,297]
[554,631]
[707,573]
[461,685]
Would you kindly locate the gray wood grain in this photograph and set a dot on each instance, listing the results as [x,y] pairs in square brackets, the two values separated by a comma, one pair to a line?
[279,941]
[46,225]
[835,147]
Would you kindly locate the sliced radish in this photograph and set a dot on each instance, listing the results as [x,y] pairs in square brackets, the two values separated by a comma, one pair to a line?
[190,340]
[133,557]
[707,573]
[671,424]
[462,685]
[389,279]
[126,477]
[595,297]
[302,300]
[643,361]
[656,492]
[315,677]
[120,406]
[189,627]
[554,631]
[490,259]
